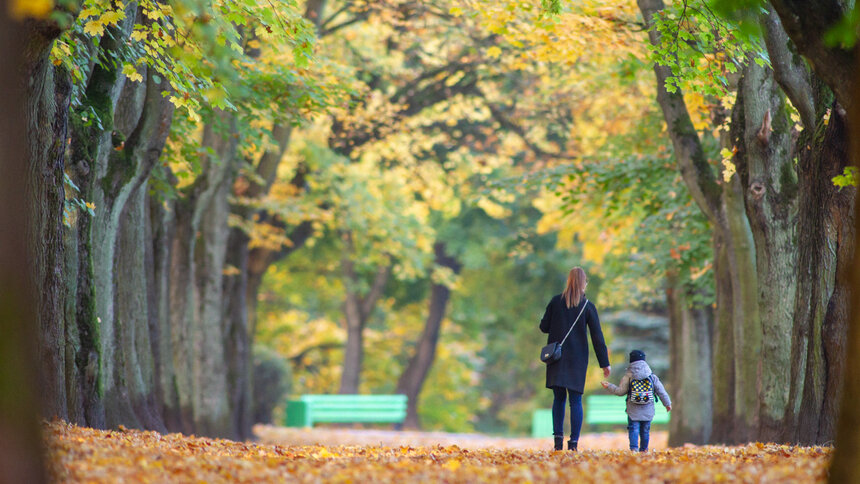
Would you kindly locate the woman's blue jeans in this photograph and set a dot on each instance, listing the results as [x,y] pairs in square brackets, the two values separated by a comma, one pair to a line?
[559,397]
[639,432]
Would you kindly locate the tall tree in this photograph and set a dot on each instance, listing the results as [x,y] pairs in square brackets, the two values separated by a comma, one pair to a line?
[846,459]
[20,435]
[413,377]
[761,307]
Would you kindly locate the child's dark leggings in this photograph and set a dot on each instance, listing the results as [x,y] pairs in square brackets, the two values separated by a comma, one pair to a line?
[639,432]
[559,397]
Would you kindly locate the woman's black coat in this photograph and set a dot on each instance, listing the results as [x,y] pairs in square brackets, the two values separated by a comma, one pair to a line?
[569,371]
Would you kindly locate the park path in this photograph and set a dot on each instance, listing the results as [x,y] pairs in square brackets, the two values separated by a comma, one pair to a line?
[269,434]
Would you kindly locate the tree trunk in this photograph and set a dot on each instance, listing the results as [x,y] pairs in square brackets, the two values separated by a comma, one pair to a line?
[357,310]
[690,352]
[415,374]
[47,108]
[24,182]
[846,459]
[353,353]
[198,255]
[826,231]
[723,398]
[767,173]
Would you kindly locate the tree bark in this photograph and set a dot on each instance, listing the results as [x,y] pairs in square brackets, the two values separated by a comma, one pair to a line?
[21,457]
[690,354]
[722,368]
[47,105]
[846,459]
[826,229]
[767,173]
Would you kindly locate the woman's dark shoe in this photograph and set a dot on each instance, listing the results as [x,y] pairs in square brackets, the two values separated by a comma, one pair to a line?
[559,442]
[571,445]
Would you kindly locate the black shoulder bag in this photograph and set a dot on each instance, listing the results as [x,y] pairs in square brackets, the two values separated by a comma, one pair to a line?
[552,352]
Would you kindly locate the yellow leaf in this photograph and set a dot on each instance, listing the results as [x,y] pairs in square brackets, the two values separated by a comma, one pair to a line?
[112,17]
[494,52]
[139,35]
[456,11]
[131,73]
[88,12]
[94,28]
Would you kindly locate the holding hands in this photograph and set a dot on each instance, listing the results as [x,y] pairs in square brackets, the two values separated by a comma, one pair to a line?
[605,384]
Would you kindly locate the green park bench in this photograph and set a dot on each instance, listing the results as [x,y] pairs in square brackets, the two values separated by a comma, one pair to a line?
[311,409]
[611,409]
[599,410]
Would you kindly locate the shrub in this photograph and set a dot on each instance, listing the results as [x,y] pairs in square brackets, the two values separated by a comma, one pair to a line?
[272,381]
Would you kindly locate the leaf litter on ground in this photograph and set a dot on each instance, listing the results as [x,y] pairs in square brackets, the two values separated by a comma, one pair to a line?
[80,454]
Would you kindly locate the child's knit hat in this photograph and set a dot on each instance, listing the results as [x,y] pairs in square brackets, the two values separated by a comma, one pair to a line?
[637,355]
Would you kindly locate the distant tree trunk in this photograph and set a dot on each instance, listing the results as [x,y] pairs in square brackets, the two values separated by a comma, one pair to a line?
[690,343]
[20,434]
[198,254]
[415,374]
[237,314]
[722,352]
[845,467]
[357,309]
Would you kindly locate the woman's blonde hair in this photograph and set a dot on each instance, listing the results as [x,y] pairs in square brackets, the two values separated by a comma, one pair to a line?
[575,288]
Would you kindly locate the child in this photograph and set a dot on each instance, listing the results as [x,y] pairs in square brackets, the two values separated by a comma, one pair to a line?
[640,385]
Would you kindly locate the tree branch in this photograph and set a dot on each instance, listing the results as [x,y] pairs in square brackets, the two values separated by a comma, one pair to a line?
[412,98]
[376,290]
[807,23]
[695,170]
[792,76]
[346,23]
[507,123]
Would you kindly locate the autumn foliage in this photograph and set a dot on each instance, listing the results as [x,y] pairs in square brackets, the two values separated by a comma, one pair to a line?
[81,454]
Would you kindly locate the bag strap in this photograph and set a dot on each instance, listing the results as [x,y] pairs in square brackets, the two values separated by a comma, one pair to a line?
[653,387]
[574,323]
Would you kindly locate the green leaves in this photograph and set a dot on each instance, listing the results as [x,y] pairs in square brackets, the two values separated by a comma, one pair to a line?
[703,49]
[848,178]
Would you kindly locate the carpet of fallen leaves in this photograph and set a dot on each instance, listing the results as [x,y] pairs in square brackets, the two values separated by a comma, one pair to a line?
[330,436]
[81,454]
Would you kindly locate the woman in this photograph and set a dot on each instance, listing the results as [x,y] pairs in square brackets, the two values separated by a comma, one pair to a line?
[567,375]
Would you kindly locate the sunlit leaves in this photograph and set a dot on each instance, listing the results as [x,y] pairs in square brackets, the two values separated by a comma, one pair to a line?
[729,168]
